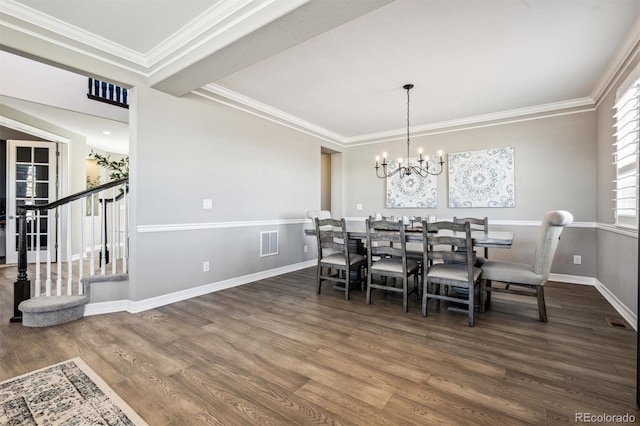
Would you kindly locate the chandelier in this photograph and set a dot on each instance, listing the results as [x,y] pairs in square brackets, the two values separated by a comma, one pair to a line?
[406,169]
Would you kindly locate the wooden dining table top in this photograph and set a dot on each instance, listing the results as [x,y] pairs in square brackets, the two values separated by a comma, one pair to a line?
[491,239]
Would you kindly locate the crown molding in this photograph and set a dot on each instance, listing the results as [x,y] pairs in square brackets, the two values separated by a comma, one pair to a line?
[229,97]
[208,21]
[622,55]
[555,108]
[216,21]
[49,23]
[244,103]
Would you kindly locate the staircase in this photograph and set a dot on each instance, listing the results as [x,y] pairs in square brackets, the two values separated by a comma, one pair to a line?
[44,311]
[92,255]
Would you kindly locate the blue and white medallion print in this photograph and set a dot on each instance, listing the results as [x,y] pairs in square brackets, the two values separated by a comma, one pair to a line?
[482,178]
[411,191]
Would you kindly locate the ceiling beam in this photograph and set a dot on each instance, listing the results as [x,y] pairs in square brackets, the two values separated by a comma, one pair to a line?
[306,21]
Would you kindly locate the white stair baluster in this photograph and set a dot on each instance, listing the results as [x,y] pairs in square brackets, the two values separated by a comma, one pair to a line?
[114,246]
[83,206]
[92,247]
[69,252]
[103,246]
[125,235]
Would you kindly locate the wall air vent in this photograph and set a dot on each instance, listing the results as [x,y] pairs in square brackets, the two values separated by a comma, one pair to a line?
[268,243]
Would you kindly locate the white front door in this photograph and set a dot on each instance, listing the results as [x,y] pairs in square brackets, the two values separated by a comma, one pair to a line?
[31,180]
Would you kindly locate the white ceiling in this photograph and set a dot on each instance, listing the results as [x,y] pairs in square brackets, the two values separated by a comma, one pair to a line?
[470,60]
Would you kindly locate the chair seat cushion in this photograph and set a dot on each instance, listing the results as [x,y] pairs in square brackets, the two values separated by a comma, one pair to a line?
[511,272]
[394,265]
[339,259]
[452,273]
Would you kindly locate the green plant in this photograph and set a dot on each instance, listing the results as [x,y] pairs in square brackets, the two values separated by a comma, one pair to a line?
[92,183]
[119,168]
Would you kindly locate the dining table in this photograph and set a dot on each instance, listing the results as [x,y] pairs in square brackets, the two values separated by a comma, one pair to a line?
[357,232]
[479,238]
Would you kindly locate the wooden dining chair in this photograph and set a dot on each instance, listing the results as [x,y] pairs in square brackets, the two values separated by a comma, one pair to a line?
[529,279]
[386,241]
[450,268]
[335,257]
[477,224]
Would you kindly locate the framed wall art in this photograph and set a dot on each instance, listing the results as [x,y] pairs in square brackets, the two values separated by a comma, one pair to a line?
[411,191]
[482,178]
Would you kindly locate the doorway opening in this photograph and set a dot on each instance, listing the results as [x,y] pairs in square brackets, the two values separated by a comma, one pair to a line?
[325,181]
[331,181]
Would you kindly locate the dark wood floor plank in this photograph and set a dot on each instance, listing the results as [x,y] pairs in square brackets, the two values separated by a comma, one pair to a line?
[275,352]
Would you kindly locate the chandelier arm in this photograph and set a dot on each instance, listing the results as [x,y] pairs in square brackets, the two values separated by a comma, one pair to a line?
[385,174]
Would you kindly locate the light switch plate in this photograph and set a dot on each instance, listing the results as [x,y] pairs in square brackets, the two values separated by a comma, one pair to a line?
[358,206]
[207,204]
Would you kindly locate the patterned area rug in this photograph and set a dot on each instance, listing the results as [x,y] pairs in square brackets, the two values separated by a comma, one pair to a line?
[69,393]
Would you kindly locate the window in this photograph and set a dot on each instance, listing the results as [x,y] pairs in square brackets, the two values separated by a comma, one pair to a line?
[625,156]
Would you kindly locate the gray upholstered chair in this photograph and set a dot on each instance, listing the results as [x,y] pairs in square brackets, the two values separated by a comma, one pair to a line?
[320,214]
[387,242]
[532,277]
[453,269]
[334,256]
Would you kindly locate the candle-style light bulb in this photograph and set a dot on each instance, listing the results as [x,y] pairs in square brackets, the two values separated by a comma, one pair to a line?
[377,158]
[440,154]
[384,155]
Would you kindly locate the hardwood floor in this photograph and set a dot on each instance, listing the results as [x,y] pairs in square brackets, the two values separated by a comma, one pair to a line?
[274,352]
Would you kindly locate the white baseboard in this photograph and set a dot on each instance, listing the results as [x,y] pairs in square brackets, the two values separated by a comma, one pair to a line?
[106,307]
[572,279]
[622,309]
[166,299]
[613,300]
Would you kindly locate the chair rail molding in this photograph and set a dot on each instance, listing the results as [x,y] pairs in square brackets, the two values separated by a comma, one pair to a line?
[172,227]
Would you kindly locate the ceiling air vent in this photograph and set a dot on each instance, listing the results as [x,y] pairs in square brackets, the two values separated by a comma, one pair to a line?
[268,243]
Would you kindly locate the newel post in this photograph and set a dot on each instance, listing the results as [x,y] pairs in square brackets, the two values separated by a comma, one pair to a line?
[22,287]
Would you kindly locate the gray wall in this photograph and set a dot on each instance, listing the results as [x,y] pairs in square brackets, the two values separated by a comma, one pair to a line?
[184,150]
[555,160]
[617,251]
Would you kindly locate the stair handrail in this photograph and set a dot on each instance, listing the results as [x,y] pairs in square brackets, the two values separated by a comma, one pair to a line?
[78,196]
[22,286]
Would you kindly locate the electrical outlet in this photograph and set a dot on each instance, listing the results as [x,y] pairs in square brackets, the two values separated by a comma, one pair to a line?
[205,266]
[577,259]
[306,248]
[207,204]
[358,206]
